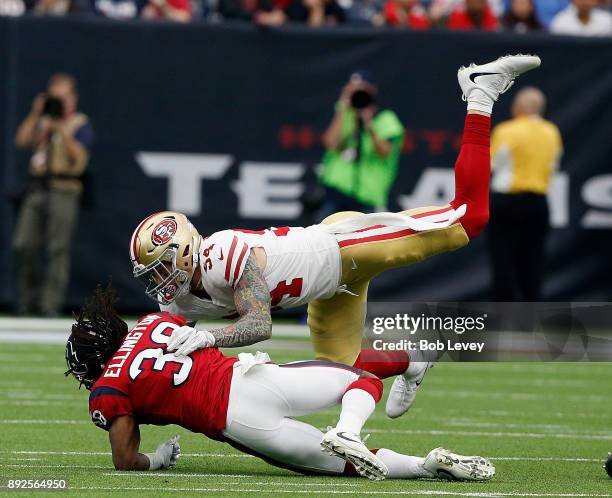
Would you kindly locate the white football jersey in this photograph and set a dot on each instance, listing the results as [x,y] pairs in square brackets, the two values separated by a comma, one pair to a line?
[303,264]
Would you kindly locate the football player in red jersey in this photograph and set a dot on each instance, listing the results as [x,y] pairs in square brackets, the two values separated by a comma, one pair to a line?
[329,266]
[247,402]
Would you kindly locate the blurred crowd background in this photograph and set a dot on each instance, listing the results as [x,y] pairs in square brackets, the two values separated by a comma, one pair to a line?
[577,17]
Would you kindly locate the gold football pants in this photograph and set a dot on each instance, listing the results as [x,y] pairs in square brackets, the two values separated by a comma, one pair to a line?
[336,324]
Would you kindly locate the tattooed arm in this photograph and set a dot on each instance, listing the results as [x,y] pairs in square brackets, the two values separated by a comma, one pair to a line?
[252,300]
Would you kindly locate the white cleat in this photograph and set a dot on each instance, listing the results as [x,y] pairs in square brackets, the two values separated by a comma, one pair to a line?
[452,467]
[403,391]
[350,448]
[495,77]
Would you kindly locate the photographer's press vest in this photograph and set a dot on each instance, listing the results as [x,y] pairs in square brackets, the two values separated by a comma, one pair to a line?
[52,163]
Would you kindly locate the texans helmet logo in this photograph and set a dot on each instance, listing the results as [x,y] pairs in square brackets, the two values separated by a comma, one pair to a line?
[163,232]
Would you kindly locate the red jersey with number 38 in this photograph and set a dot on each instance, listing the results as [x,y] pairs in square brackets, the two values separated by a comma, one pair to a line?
[302,264]
[156,387]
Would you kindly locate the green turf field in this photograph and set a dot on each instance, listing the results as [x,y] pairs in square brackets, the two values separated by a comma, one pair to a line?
[546,427]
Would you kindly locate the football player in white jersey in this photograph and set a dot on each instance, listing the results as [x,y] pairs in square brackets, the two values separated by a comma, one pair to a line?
[244,274]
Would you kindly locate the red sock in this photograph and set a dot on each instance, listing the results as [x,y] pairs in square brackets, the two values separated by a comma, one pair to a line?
[372,385]
[472,173]
[383,364]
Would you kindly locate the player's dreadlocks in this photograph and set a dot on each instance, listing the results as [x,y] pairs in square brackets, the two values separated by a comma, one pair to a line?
[95,337]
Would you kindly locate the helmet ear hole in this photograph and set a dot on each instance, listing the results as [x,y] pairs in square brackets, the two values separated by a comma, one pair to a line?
[186,250]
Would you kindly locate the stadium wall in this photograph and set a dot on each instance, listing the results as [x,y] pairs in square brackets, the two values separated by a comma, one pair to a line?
[223,122]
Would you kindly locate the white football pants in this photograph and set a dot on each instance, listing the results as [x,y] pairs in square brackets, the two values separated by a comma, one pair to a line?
[262,401]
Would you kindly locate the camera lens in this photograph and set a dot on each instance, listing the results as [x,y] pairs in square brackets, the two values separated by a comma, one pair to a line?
[54,108]
[361,99]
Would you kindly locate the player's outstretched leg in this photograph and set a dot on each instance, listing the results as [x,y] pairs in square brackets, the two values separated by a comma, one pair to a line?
[438,464]
[481,85]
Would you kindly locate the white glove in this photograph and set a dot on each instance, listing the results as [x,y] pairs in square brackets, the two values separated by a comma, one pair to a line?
[186,340]
[166,455]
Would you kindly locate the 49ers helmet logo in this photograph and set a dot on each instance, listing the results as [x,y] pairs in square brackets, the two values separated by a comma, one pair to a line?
[163,231]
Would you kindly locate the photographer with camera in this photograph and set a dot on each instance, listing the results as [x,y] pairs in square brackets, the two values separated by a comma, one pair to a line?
[363,149]
[59,138]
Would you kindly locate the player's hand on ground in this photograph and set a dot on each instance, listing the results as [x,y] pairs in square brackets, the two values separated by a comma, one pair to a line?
[169,452]
[186,340]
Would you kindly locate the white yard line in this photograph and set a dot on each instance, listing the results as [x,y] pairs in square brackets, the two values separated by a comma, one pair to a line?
[546,459]
[468,422]
[15,369]
[29,337]
[541,414]
[25,358]
[507,413]
[108,453]
[43,421]
[515,396]
[37,466]
[243,455]
[433,432]
[535,435]
[28,395]
[407,492]
[520,396]
[40,403]
[250,483]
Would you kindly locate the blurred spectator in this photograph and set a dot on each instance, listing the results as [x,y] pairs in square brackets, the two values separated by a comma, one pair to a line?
[316,12]
[59,138]
[12,8]
[172,10]
[270,18]
[363,148]
[408,13]
[525,153]
[439,10]
[245,10]
[117,9]
[56,7]
[547,9]
[582,17]
[473,15]
[521,17]
[364,12]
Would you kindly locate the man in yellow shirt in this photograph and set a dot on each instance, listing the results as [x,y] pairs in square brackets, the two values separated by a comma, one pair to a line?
[525,152]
